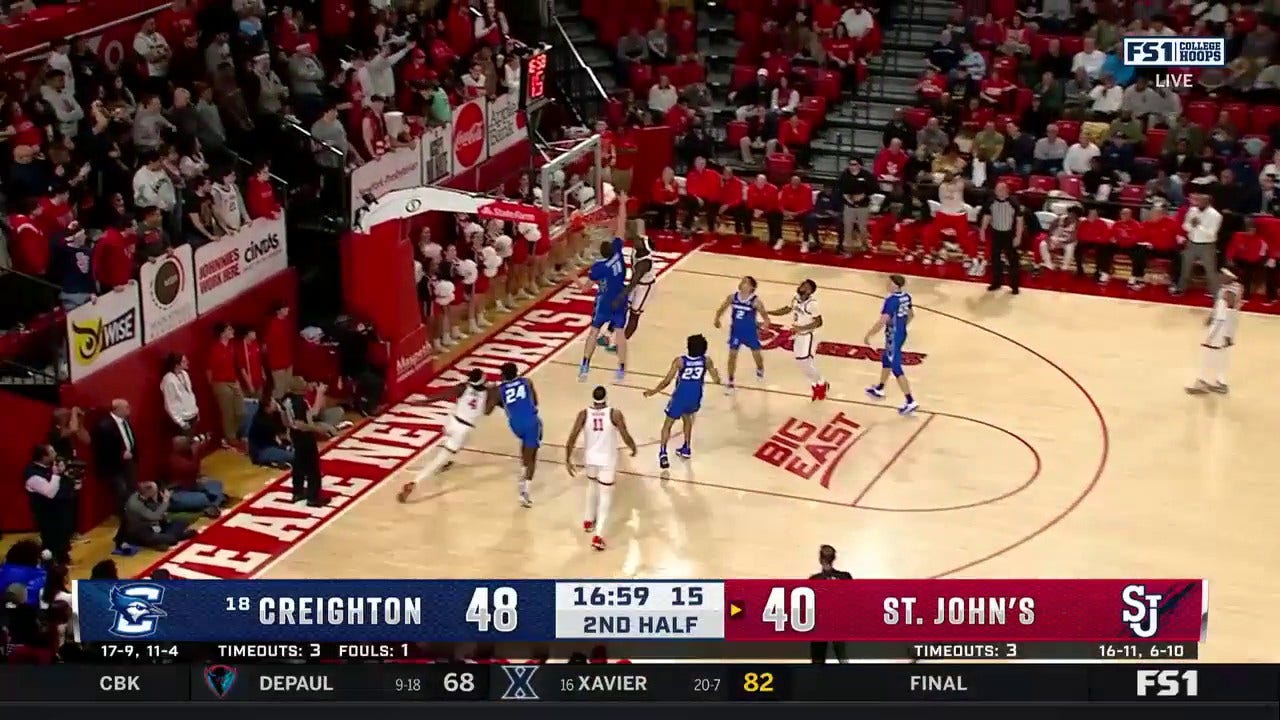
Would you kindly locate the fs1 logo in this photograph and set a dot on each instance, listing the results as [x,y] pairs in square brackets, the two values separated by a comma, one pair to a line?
[137,610]
[1187,52]
[1168,683]
[1141,612]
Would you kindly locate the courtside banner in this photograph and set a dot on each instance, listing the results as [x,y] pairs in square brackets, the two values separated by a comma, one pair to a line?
[506,124]
[395,170]
[226,268]
[104,330]
[167,291]
[470,148]
[436,147]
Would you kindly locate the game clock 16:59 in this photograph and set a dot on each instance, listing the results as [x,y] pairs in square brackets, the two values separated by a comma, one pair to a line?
[611,595]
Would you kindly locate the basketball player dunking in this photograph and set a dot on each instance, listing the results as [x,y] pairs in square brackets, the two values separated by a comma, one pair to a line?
[805,319]
[743,329]
[689,372]
[471,401]
[603,426]
[644,273]
[895,314]
[1222,323]
[609,273]
[517,396]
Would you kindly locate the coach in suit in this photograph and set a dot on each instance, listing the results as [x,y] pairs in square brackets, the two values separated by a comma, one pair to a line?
[827,560]
[115,460]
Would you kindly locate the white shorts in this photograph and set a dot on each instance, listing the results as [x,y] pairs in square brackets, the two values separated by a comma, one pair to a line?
[601,474]
[456,434]
[639,296]
[804,345]
[1216,337]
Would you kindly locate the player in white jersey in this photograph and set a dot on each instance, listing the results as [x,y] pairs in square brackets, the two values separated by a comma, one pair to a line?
[806,318]
[644,273]
[1222,323]
[470,400]
[603,426]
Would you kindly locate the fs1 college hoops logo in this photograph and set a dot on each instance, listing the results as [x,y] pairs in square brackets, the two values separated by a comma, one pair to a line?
[137,610]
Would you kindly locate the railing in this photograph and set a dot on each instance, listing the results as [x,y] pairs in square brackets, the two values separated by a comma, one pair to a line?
[581,89]
[25,298]
[35,383]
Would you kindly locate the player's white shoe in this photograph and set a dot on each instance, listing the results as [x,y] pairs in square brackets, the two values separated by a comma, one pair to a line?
[908,408]
[875,392]
[525,500]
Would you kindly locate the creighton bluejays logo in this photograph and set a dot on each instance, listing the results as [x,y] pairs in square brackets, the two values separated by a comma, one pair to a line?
[1141,611]
[137,609]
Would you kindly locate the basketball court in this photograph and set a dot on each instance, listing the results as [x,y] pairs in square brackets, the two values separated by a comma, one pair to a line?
[1054,440]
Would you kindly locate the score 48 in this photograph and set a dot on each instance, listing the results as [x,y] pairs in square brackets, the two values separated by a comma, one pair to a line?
[498,609]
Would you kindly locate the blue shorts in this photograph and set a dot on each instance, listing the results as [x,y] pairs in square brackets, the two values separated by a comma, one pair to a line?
[678,407]
[891,358]
[529,433]
[749,339]
[606,314]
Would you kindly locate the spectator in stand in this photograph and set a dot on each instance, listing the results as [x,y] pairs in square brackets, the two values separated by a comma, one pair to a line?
[210,129]
[491,27]
[1093,235]
[253,376]
[702,195]
[1200,230]
[758,127]
[115,459]
[662,97]
[147,520]
[1126,232]
[1061,238]
[632,48]
[754,95]
[792,137]
[665,198]
[29,175]
[228,203]
[659,43]
[29,249]
[1157,239]
[51,502]
[898,128]
[260,194]
[972,62]
[376,74]
[1017,37]
[150,126]
[783,98]
[733,201]
[268,438]
[855,186]
[60,95]
[305,77]
[152,186]
[374,136]
[996,92]
[1108,97]
[890,165]
[72,265]
[155,52]
[1080,156]
[190,490]
[1247,252]
[179,397]
[944,54]
[695,143]
[857,21]
[1089,59]
[842,54]
[511,74]
[1050,152]
[762,203]
[1018,155]
[1265,199]
[225,383]
[271,95]
[795,201]
[113,256]
[277,340]
[152,239]
[202,225]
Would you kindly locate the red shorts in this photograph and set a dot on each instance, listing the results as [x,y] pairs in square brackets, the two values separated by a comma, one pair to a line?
[482,284]
[519,251]
[543,247]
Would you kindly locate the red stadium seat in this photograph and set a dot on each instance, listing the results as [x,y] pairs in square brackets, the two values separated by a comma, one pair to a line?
[1239,114]
[827,84]
[594,9]
[1040,45]
[1155,142]
[747,27]
[742,76]
[1007,68]
[1015,183]
[735,131]
[1072,44]
[1202,112]
[1069,130]
[1134,194]
[813,110]
[916,117]
[1262,118]
[1002,9]
[610,28]
[1003,120]
[778,167]
[1042,183]
[641,78]
[1022,101]
[1070,184]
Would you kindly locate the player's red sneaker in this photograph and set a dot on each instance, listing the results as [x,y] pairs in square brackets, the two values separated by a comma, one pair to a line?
[597,542]
[813,392]
[405,492]
[822,391]
[588,526]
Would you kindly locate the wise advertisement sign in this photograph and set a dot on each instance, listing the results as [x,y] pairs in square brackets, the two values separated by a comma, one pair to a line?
[103,331]
[226,268]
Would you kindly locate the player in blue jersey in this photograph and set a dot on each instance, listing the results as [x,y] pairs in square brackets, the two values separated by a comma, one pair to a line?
[689,372]
[609,273]
[743,329]
[517,396]
[895,314]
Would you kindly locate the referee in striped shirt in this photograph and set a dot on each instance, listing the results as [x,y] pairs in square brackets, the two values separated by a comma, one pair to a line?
[1003,223]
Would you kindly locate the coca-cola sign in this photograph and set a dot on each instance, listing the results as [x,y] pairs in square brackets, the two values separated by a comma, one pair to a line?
[469,135]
